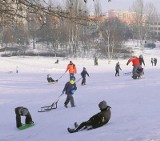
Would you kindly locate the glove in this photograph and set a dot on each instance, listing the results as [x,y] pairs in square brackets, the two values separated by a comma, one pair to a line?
[127,64]
[73,91]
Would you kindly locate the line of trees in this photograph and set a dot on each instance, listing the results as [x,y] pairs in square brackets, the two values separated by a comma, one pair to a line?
[69,30]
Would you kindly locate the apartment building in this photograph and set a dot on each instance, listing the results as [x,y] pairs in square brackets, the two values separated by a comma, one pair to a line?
[155,28]
[122,15]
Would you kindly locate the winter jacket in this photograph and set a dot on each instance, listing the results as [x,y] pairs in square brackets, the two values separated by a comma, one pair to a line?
[101,118]
[117,67]
[72,68]
[134,60]
[21,111]
[69,87]
[84,73]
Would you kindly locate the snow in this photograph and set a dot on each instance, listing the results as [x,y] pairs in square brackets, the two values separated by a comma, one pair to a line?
[135,103]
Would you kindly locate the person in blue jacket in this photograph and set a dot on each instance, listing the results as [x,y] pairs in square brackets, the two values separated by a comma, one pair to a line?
[83,74]
[69,90]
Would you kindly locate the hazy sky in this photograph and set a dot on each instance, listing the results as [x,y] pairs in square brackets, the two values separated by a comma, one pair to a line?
[121,4]
[114,4]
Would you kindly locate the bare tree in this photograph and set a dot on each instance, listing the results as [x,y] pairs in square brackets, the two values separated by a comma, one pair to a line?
[152,17]
[139,18]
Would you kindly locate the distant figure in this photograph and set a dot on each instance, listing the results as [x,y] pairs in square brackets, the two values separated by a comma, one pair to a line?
[17,69]
[71,68]
[152,61]
[155,61]
[57,61]
[83,74]
[50,79]
[69,89]
[95,61]
[117,68]
[141,60]
[96,120]
[22,111]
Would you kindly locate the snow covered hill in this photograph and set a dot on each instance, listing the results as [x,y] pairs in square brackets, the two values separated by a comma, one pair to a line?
[135,103]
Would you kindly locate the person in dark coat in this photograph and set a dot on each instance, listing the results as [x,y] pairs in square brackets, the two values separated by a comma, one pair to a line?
[22,111]
[50,79]
[152,61]
[141,60]
[69,90]
[155,61]
[83,74]
[117,68]
[96,120]
[95,61]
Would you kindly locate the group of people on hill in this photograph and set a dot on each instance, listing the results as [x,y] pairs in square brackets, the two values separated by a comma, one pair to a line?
[69,89]
[137,71]
[137,63]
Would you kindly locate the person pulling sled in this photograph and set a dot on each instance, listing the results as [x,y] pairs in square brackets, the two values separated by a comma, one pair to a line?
[96,120]
[69,89]
[22,111]
[50,79]
[137,71]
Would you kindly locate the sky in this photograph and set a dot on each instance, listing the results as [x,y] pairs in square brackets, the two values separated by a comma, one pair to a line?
[120,4]
[114,4]
[134,103]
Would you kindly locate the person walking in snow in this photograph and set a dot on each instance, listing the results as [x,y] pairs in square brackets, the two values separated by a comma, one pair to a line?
[141,60]
[155,61]
[152,61]
[69,90]
[22,111]
[117,68]
[96,120]
[71,68]
[83,74]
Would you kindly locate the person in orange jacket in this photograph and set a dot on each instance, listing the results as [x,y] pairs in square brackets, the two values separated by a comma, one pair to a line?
[71,68]
[136,63]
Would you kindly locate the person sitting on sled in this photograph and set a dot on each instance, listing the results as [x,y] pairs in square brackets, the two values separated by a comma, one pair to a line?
[22,111]
[57,61]
[96,120]
[50,79]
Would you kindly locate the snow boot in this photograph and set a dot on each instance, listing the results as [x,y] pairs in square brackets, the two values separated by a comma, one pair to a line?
[71,130]
[76,125]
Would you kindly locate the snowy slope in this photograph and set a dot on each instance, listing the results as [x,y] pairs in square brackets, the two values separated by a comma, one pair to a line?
[135,103]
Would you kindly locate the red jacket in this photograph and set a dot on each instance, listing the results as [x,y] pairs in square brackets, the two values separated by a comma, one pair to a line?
[134,60]
[71,68]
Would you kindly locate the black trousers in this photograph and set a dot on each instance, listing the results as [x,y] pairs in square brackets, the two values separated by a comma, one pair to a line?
[18,118]
[117,73]
[83,81]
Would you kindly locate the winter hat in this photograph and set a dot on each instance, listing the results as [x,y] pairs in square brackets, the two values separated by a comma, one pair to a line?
[102,105]
[71,62]
[23,111]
